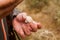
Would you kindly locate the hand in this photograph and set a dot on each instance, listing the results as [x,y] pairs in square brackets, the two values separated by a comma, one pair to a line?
[22,28]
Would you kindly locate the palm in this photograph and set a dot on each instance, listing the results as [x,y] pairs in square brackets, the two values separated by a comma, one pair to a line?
[21,28]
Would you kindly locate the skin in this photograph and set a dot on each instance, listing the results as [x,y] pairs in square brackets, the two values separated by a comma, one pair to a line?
[23,29]
[7,6]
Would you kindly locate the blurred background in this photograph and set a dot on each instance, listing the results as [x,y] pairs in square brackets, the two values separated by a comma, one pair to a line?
[47,12]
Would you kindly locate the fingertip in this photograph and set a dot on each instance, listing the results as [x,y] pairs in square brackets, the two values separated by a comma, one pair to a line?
[39,25]
[24,14]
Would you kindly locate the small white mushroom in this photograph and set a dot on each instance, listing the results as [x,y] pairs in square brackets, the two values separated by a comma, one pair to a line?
[28,19]
[23,14]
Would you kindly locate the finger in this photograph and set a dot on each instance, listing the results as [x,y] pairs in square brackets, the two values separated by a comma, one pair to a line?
[28,26]
[21,33]
[21,16]
[39,25]
[33,26]
[26,30]
[18,28]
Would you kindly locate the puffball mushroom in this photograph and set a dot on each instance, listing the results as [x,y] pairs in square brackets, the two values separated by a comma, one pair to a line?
[28,19]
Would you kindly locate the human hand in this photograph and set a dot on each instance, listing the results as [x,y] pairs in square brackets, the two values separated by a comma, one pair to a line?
[23,26]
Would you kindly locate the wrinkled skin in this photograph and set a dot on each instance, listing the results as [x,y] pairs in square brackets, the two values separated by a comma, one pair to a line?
[23,29]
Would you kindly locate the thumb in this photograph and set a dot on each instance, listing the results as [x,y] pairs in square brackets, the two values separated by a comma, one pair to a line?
[21,17]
